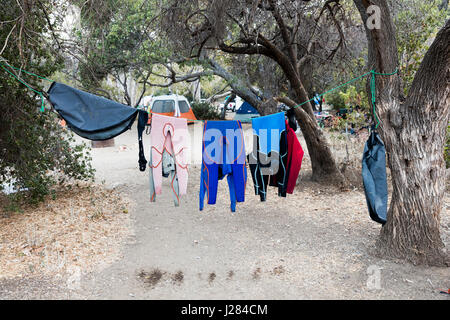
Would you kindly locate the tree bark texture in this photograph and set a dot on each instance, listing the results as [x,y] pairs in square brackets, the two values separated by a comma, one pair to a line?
[414,132]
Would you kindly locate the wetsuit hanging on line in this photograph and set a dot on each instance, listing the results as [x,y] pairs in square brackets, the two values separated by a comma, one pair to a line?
[268,158]
[223,155]
[168,135]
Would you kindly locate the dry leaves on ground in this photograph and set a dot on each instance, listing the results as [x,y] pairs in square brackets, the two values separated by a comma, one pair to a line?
[81,229]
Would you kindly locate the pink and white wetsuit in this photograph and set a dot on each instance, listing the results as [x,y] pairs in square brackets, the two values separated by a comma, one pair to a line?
[168,134]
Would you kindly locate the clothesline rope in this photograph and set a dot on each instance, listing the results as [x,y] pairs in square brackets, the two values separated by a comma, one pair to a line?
[27,72]
[41,94]
[372,73]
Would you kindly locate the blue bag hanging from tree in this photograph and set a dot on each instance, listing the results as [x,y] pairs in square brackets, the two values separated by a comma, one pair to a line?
[374,177]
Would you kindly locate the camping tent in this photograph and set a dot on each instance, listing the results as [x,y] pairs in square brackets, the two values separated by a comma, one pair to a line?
[246,112]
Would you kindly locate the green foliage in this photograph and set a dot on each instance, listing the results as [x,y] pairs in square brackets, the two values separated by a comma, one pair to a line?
[352,97]
[121,43]
[161,92]
[35,151]
[212,85]
[204,111]
[335,99]
[354,119]
[417,23]
[189,96]
[349,98]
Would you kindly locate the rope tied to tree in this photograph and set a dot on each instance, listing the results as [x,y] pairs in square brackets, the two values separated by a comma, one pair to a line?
[373,91]
[40,93]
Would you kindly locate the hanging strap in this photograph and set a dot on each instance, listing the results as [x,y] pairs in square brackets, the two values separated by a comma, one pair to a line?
[142,121]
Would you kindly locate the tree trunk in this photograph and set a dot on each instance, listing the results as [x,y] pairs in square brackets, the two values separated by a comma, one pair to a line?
[414,135]
[324,167]
[322,161]
[196,88]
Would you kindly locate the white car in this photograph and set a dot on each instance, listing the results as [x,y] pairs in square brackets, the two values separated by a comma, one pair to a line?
[170,105]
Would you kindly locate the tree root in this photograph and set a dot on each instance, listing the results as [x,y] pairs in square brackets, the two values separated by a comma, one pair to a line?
[434,257]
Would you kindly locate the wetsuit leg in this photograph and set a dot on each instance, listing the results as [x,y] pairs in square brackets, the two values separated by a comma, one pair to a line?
[239,178]
[203,187]
[260,181]
[239,170]
[253,166]
[208,183]
[263,164]
[283,173]
[151,182]
[232,189]
[236,182]
[213,181]
[175,188]
[252,160]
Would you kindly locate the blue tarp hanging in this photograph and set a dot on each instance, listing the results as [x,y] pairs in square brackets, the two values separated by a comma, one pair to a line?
[374,177]
[88,115]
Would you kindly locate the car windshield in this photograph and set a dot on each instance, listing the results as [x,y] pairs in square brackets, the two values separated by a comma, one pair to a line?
[163,106]
[184,107]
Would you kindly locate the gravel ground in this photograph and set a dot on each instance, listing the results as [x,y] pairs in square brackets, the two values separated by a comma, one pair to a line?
[314,244]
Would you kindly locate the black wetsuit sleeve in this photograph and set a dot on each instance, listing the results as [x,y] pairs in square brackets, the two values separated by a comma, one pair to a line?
[283,170]
[142,121]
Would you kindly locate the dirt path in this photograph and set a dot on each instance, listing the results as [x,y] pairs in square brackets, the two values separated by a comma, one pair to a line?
[314,244]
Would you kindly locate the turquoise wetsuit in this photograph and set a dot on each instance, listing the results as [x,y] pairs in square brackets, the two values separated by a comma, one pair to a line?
[269,155]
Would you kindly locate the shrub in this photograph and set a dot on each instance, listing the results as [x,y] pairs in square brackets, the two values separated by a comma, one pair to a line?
[35,151]
[353,120]
[350,97]
[335,99]
[205,111]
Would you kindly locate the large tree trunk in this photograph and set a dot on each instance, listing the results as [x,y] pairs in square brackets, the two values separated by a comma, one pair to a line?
[414,134]
[323,165]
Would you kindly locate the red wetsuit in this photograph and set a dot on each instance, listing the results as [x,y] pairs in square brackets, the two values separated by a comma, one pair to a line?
[295,156]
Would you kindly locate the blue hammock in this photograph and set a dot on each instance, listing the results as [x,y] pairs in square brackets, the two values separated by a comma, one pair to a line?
[88,115]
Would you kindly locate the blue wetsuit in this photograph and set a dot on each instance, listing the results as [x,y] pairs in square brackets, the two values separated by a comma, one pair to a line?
[223,155]
[269,155]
